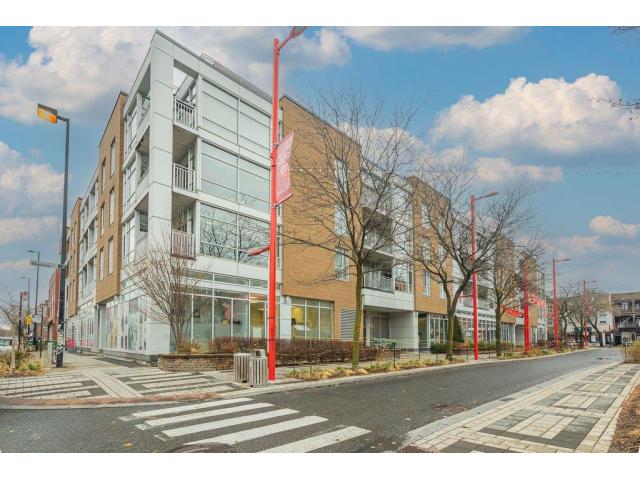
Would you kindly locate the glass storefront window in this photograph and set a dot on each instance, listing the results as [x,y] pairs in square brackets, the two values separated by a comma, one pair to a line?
[311,319]
[202,320]
[297,321]
[222,317]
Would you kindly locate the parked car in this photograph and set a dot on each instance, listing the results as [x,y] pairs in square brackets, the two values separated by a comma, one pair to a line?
[5,344]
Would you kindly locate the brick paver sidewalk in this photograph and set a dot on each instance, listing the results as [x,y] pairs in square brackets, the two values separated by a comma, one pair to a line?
[576,413]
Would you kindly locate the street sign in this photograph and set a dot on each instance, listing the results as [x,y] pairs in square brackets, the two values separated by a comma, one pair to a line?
[35,263]
[28,320]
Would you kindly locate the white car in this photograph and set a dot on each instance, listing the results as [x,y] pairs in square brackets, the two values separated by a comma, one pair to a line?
[5,344]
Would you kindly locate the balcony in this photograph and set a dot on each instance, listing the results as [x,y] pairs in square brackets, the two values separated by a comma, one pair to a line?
[374,241]
[184,114]
[183,178]
[378,282]
[183,244]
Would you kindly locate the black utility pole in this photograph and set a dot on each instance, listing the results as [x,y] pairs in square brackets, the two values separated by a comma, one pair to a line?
[63,248]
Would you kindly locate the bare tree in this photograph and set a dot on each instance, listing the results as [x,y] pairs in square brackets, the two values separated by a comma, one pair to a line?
[163,275]
[10,312]
[350,158]
[443,241]
[571,307]
[506,277]
[596,303]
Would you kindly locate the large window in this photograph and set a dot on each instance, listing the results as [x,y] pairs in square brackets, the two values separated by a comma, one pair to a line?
[227,116]
[233,178]
[112,206]
[341,221]
[112,157]
[311,319]
[342,265]
[110,250]
[228,235]
[101,263]
[426,287]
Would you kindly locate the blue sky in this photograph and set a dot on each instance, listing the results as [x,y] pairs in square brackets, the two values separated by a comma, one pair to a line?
[581,156]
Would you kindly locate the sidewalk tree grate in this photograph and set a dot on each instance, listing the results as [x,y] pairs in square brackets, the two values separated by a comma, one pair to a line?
[448,407]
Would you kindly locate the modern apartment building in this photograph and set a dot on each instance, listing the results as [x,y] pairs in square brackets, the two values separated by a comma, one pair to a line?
[626,316]
[184,161]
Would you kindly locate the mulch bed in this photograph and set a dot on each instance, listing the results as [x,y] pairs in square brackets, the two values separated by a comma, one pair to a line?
[627,435]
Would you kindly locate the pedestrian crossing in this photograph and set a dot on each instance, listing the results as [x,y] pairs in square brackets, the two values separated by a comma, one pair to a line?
[55,386]
[249,426]
[146,381]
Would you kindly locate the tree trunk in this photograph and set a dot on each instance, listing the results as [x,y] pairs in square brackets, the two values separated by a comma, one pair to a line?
[357,326]
[451,315]
[12,367]
[498,331]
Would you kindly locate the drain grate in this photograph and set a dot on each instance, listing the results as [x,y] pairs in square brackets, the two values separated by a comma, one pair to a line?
[448,407]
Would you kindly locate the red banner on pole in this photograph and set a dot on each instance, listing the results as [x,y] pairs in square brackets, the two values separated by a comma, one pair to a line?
[536,300]
[513,312]
[283,169]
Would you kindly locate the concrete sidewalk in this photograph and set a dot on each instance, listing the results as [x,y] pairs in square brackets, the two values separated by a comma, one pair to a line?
[573,413]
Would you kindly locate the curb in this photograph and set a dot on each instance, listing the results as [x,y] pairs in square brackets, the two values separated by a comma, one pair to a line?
[29,403]
[302,384]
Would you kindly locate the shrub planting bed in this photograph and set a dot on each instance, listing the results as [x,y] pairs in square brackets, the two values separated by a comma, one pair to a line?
[378,367]
[26,365]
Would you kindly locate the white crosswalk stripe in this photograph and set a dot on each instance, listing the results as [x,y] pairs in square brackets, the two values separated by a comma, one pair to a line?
[319,441]
[229,422]
[196,416]
[236,425]
[252,433]
[184,408]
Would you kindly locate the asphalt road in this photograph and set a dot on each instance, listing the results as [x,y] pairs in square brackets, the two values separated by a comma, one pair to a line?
[387,407]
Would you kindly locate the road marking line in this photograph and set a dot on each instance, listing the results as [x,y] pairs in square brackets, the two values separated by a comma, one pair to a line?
[196,416]
[14,391]
[155,378]
[178,388]
[203,427]
[55,390]
[83,393]
[184,408]
[319,441]
[253,433]
[172,382]
[196,389]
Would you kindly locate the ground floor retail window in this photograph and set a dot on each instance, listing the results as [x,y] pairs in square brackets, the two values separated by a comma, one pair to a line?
[311,319]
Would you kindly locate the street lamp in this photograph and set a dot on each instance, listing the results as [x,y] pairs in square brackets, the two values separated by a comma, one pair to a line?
[584,316]
[474,199]
[555,300]
[50,115]
[277,46]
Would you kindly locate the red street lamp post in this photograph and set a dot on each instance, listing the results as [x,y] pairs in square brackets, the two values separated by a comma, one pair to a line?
[555,300]
[474,199]
[277,46]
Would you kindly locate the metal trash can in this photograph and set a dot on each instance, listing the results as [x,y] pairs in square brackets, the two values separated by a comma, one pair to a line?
[258,368]
[241,366]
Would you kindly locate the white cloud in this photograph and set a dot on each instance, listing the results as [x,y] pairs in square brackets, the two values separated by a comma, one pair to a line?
[14,229]
[552,115]
[422,38]
[607,225]
[496,170]
[79,69]
[27,187]
[578,245]
[15,266]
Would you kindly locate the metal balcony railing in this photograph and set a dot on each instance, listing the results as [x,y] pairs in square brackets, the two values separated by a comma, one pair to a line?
[378,282]
[183,177]
[184,113]
[183,244]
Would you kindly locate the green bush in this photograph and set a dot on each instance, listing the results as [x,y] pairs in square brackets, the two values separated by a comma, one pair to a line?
[438,348]
[633,352]
[457,331]
[294,351]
